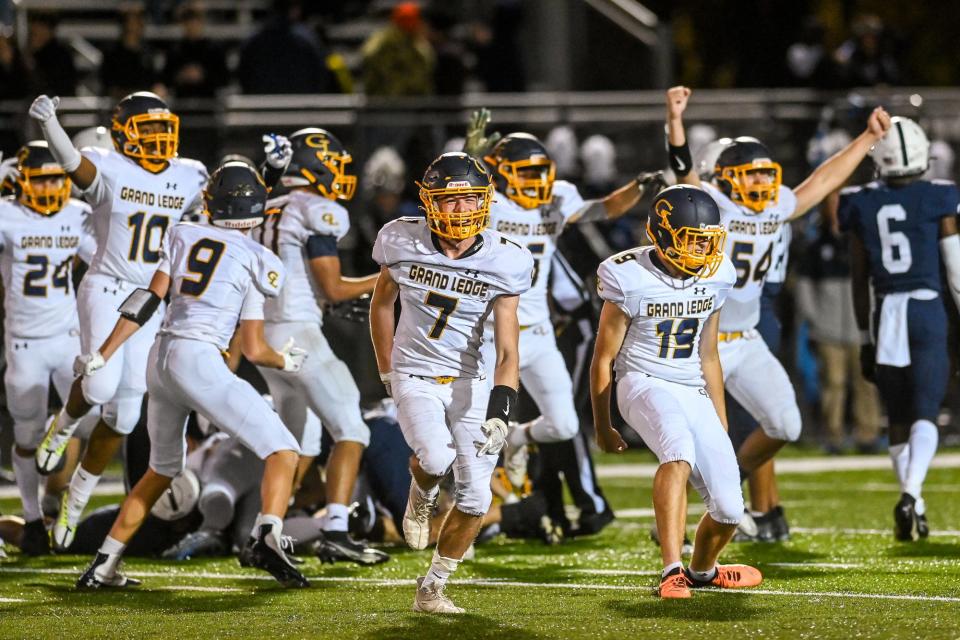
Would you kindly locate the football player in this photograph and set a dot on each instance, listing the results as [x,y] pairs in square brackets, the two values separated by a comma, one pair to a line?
[217,278]
[450,271]
[305,236]
[137,191]
[532,208]
[658,330]
[903,232]
[41,230]
[754,205]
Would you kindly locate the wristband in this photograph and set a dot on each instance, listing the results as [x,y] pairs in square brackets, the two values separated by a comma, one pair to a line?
[680,159]
[501,403]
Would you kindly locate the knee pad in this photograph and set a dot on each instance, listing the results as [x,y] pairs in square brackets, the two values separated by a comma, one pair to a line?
[786,426]
[101,388]
[725,504]
[554,428]
[123,413]
[474,499]
[437,461]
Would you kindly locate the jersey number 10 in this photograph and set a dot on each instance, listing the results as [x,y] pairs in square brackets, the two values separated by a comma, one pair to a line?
[142,241]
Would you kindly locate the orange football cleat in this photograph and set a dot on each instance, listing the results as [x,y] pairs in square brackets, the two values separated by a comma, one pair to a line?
[675,585]
[732,576]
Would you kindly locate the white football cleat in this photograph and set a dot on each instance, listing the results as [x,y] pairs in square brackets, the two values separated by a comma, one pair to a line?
[432,599]
[65,527]
[53,445]
[416,519]
[97,576]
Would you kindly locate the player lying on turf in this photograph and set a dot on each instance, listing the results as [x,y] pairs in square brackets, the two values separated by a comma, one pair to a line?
[449,272]
[217,278]
[658,329]
[903,235]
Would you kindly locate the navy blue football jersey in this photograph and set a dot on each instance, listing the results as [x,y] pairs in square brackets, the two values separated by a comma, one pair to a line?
[900,229]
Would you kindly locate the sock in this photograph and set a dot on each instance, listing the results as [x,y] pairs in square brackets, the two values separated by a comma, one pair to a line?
[900,455]
[338,517]
[113,548]
[670,567]
[28,482]
[65,421]
[923,446]
[440,570]
[81,486]
[427,495]
[702,576]
[265,518]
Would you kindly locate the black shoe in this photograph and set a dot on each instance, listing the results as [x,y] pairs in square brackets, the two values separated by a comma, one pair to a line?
[765,527]
[923,529]
[267,555]
[245,557]
[903,517]
[590,523]
[779,526]
[90,579]
[198,544]
[36,540]
[336,546]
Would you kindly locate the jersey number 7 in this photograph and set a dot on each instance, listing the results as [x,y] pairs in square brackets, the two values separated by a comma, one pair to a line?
[446,305]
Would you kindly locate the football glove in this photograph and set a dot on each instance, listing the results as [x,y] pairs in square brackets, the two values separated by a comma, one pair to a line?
[477,143]
[355,310]
[8,171]
[88,364]
[385,380]
[868,362]
[44,108]
[278,150]
[652,181]
[495,431]
[293,357]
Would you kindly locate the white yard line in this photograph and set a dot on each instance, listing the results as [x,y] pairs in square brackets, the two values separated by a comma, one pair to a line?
[12,600]
[943,533]
[816,565]
[481,582]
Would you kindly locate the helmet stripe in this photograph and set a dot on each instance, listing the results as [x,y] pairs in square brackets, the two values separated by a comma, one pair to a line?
[903,144]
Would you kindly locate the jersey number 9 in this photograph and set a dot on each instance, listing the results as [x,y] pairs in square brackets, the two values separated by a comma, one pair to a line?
[202,260]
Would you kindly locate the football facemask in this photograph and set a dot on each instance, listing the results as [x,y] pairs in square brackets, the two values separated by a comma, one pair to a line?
[693,251]
[456,225]
[755,196]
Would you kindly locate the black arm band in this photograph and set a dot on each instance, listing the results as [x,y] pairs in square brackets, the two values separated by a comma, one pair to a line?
[502,401]
[140,306]
[680,159]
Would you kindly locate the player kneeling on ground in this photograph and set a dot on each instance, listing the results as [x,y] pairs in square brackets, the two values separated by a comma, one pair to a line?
[658,329]
[450,272]
[217,277]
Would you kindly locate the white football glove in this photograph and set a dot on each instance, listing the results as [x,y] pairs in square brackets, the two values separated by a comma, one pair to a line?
[8,170]
[278,150]
[385,380]
[44,108]
[495,430]
[88,363]
[293,357]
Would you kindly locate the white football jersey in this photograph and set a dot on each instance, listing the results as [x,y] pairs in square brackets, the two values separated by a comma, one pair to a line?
[132,208]
[537,230]
[218,277]
[666,314]
[445,301]
[752,246]
[309,225]
[36,262]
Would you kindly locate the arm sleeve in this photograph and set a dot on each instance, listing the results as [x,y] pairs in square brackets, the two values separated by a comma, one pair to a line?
[610,290]
[253,302]
[320,245]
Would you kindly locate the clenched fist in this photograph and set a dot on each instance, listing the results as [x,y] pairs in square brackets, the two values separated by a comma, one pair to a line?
[677,101]
[44,108]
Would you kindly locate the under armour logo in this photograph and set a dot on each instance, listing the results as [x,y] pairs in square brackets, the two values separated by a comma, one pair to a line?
[699,291]
[171,185]
[472,273]
[64,228]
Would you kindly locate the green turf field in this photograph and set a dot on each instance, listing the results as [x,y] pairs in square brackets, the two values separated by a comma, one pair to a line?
[842,576]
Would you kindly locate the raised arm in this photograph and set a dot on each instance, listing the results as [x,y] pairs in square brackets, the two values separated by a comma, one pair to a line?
[619,202]
[835,171]
[710,364]
[681,161]
[335,286]
[382,321]
[610,336]
[82,171]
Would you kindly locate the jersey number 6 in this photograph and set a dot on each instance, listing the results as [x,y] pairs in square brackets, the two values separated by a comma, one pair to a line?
[202,260]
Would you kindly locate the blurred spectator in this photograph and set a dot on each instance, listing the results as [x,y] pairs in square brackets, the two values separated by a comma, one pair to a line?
[599,158]
[500,60]
[398,59]
[825,301]
[51,62]
[195,67]
[941,161]
[13,70]
[868,58]
[808,59]
[128,66]
[561,144]
[450,71]
[284,56]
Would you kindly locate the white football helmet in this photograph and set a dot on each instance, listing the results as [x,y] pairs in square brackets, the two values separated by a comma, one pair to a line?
[98,137]
[706,159]
[903,151]
[180,498]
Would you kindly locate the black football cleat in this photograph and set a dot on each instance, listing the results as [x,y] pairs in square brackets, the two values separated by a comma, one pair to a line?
[92,579]
[36,540]
[270,556]
[923,529]
[338,546]
[903,517]
[198,544]
[780,528]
